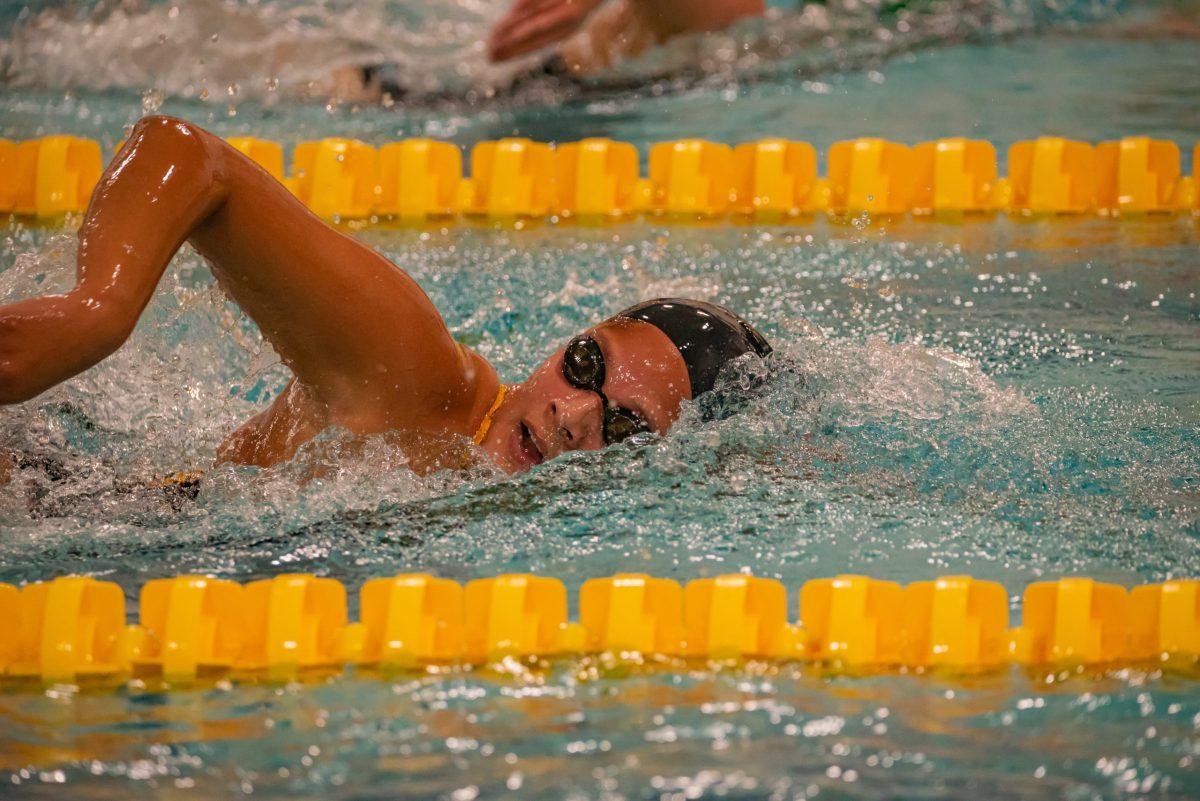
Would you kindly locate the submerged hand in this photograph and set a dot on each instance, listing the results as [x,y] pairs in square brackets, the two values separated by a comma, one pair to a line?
[532,24]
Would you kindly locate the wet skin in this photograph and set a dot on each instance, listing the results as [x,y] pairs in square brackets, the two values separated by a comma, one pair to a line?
[530,25]
[547,416]
[369,352]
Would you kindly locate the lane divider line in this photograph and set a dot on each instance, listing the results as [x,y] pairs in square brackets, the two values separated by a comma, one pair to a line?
[74,627]
[597,179]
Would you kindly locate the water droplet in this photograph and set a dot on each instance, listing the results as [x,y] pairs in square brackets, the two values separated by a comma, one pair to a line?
[152,100]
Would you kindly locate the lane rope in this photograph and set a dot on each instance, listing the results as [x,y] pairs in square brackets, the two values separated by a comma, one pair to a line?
[74,628]
[599,179]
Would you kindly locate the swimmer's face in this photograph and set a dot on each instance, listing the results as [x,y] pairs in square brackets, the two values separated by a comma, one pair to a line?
[547,415]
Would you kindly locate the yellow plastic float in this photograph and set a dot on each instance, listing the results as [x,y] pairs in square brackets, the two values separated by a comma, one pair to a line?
[418,179]
[775,177]
[853,620]
[872,176]
[690,178]
[1073,620]
[1137,174]
[632,613]
[292,622]
[412,619]
[597,178]
[268,155]
[48,177]
[1165,620]
[955,622]
[1051,175]
[736,617]
[511,178]
[955,175]
[336,178]
[69,629]
[73,629]
[192,624]
[772,179]
[516,615]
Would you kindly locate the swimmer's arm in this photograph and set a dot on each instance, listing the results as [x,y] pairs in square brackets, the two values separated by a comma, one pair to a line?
[689,16]
[350,324]
[533,24]
[125,242]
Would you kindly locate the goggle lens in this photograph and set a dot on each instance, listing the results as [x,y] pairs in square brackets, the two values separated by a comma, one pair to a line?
[621,424]
[583,367]
[583,364]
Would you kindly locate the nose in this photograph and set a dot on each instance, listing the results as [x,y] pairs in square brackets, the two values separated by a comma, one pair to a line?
[577,417]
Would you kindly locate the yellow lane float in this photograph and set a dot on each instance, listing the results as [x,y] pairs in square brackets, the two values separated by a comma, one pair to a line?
[73,628]
[772,179]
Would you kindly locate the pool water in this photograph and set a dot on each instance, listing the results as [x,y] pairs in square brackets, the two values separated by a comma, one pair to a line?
[1012,399]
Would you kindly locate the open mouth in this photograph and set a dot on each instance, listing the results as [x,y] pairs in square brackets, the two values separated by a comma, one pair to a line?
[528,449]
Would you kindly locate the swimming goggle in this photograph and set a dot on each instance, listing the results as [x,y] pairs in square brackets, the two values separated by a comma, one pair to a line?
[583,367]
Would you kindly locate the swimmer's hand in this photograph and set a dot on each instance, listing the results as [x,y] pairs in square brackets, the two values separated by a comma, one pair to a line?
[622,28]
[532,24]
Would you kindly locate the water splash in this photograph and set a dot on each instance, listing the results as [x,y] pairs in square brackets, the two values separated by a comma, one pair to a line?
[226,52]
[896,428]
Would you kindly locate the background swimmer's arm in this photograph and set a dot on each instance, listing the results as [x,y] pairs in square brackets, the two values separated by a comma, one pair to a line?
[689,16]
[351,325]
[532,24]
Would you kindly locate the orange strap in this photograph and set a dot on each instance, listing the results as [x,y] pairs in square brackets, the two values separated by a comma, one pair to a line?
[486,423]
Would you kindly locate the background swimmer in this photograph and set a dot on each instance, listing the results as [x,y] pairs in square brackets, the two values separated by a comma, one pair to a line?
[586,36]
[368,350]
[595,34]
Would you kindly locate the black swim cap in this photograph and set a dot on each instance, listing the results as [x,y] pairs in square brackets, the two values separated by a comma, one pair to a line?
[707,335]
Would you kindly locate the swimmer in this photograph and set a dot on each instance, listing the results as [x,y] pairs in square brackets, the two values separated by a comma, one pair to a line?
[587,36]
[594,34]
[367,350]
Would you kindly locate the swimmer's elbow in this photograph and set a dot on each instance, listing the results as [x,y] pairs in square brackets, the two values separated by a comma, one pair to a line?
[172,135]
[160,126]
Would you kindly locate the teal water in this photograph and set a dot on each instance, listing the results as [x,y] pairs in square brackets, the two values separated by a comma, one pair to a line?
[1014,399]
